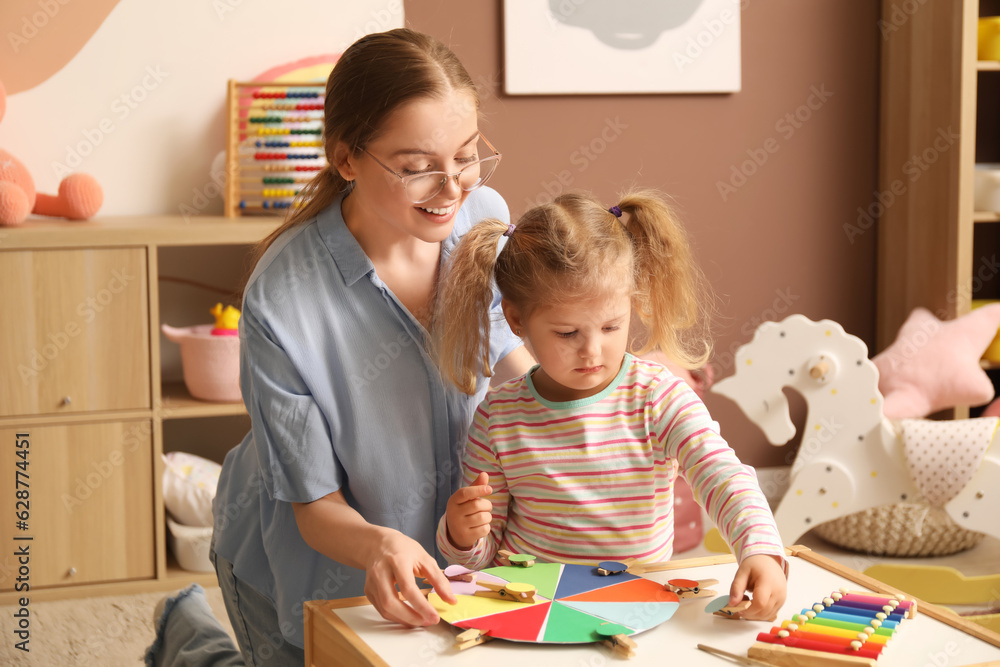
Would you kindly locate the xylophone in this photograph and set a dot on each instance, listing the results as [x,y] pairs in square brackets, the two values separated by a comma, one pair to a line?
[274,145]
[845,629]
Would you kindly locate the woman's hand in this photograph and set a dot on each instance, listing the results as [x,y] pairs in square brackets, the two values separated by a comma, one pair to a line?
[393,563]
[390,559]
[762,575]
[469,514]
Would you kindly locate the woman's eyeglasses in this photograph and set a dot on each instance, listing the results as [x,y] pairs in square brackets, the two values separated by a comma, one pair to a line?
[427,185]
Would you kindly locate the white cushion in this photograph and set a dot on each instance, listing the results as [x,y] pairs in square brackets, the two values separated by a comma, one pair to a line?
[189,485]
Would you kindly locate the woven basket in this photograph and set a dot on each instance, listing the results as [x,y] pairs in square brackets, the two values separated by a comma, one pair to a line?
[901,529]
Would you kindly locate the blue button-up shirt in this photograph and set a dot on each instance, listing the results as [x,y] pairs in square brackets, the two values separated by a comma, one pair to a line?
[343,395]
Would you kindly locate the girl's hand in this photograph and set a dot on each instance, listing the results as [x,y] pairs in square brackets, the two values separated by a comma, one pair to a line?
[394,562]
[762,575]
[469,514]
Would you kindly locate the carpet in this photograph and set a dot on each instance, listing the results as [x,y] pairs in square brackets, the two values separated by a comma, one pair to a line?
[112,631]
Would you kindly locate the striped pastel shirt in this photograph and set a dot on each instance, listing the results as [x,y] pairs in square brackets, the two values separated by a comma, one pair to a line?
[591,480]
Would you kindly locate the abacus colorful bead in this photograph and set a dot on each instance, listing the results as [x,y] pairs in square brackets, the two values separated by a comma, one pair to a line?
[269,123]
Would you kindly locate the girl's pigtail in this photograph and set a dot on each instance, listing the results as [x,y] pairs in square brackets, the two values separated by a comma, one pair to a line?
[672,299]
[462,313]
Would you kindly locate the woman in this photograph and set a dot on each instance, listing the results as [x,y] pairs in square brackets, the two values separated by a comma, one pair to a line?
[355,437]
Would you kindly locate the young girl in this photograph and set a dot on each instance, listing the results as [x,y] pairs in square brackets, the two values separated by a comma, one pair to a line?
[575,461]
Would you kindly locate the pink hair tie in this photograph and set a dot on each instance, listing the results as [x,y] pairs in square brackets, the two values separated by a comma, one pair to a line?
[510,229]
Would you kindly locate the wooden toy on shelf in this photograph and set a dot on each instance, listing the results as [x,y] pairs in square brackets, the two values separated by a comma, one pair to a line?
[851,458]
[274,145]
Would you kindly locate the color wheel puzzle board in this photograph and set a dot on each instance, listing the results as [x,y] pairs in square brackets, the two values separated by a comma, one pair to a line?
[570,603]
[922,641]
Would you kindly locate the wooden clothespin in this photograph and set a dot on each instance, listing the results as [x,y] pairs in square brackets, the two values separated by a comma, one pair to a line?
[630,565]
[611,567]
[514,591]
[508,558]
[469,638]
[689,588]
[721,607]
[455,573]
[459,573]
[617,639]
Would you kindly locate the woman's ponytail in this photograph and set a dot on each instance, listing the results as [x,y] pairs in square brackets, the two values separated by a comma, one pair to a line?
[316,195]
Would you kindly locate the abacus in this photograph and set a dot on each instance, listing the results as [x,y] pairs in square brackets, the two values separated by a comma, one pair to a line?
[274,144]
[846,629]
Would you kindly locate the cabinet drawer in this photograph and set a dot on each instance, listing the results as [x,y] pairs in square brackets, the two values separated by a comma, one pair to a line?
[89,503]
[74,331]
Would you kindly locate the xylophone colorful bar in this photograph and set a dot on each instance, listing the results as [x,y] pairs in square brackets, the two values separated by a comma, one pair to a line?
[846,629]
[274,138]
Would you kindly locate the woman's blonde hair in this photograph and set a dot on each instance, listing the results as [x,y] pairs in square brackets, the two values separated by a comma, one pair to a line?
[374,77]
[570,248]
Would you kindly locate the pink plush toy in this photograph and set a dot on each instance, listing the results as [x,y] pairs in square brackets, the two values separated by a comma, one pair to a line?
[934,365]
[80,196]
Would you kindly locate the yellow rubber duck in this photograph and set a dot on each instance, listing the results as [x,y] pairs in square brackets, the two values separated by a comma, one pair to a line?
[226,321]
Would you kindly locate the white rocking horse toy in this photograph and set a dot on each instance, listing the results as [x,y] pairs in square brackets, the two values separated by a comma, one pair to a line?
[851,458]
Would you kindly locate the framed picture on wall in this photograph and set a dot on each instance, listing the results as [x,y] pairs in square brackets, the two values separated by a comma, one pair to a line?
[567,47]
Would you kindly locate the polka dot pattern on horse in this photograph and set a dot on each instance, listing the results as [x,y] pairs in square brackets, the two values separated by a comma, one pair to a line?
[944,455]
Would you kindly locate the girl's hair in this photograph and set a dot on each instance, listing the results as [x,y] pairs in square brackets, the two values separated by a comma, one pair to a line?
[570,248]
[374,77]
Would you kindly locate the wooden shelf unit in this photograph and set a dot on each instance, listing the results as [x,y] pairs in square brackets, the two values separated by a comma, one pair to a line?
[50,269]
[930,75]
[177,403]
[925,237]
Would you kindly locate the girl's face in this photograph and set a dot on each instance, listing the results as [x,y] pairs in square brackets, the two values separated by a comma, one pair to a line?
[580,346]
[429,134]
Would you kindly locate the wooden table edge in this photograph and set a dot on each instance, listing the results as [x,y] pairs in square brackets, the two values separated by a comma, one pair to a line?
[946,616]
[357,652]
[362,655]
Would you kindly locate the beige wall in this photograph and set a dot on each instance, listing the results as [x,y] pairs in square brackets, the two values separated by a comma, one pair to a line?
[135,94]
[773,247]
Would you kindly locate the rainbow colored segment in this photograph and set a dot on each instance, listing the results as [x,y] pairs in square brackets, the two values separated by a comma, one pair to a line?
[572,604]
[858,625]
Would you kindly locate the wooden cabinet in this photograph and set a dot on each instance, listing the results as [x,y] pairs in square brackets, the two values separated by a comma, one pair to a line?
[88,494]
[81,375]
[930,253]
[75,332]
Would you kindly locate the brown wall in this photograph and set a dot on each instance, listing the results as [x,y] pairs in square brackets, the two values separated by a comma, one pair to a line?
[776,245]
